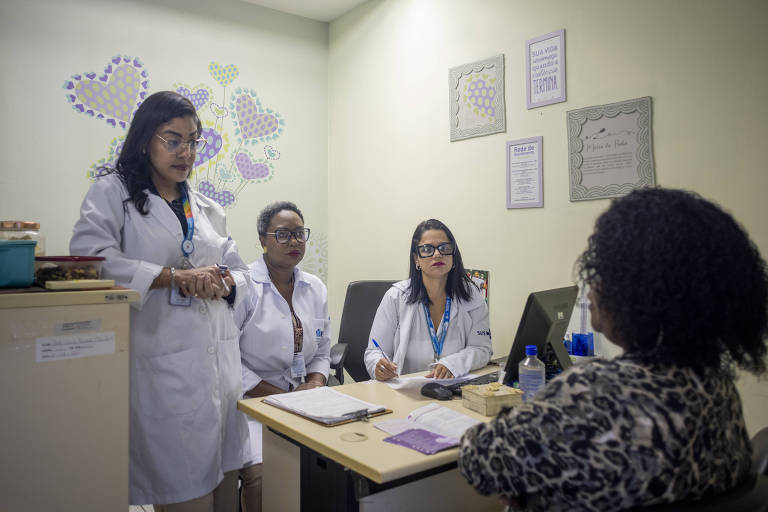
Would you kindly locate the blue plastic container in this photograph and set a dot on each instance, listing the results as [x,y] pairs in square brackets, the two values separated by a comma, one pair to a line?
[17,263]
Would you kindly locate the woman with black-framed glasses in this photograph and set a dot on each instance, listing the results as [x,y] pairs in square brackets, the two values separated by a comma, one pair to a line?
[437,319]
[285,342]
[169,242]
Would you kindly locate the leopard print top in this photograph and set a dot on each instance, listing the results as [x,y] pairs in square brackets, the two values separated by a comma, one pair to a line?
[611,435]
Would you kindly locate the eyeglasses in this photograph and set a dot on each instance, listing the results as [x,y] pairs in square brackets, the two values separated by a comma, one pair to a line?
[283,236]
[427,250]
[175,145]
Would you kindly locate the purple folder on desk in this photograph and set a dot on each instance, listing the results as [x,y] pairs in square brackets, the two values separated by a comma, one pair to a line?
[422,441]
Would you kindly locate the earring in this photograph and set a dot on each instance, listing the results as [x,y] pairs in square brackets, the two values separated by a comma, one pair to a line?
[264,249]
[418,267]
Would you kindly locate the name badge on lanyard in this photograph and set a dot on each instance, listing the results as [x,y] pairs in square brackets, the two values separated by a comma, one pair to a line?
[187,248]
[298,367]
[438,341]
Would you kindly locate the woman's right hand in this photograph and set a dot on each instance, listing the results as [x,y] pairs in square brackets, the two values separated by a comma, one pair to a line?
[385,370]
[203,282]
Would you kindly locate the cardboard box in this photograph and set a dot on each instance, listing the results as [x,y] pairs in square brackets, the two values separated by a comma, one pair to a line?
[489,399]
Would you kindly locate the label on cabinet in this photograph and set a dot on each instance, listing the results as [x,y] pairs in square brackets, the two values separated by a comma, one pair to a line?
[72,346]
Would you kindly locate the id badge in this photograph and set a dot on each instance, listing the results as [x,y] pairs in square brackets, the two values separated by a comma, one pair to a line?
[177,299]
[298,368]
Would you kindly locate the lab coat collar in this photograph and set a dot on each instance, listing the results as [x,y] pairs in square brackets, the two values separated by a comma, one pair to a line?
[260,274]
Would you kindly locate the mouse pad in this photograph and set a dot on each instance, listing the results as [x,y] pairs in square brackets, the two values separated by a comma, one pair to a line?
[422,441]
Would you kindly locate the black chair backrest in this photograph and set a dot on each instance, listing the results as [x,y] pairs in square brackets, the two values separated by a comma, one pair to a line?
[360,305]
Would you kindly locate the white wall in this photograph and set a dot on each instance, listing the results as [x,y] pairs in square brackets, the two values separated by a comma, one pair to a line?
[48,147]
[391,163]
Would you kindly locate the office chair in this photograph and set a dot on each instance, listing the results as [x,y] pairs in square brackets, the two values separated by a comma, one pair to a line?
[749,496]
[360,305]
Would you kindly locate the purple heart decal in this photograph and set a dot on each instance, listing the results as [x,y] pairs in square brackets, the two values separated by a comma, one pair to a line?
[211,148]
[116,98]
[253,124]
[249,169]
[198,97]
[223,197]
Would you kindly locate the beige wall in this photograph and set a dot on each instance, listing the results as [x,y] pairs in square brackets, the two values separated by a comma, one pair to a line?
[47,147]
[391,163]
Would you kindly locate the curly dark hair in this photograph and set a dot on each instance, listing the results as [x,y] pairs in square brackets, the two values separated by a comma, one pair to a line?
[133,166]
[679,281]
[269,211]
[458,284]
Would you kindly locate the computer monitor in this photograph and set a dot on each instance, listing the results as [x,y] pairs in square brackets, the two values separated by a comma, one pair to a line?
[544,322]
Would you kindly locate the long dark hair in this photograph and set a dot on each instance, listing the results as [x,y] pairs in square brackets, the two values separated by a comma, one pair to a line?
[679,281]
[458,284]
[133,166]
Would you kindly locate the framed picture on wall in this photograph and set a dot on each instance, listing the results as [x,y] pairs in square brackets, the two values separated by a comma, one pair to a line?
[524,174]
[545,69]
[610,150]
[476,98]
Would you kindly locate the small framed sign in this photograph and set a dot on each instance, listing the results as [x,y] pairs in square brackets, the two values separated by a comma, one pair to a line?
[524,183]
[545,69]
[476,98]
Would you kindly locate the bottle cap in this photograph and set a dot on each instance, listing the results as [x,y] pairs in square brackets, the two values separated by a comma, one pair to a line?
[530,350]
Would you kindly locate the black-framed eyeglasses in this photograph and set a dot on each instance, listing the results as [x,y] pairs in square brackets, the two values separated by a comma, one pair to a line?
[283,236]
[427,250]
[175,145]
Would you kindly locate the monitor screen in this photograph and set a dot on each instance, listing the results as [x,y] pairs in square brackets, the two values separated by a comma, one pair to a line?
[544,322]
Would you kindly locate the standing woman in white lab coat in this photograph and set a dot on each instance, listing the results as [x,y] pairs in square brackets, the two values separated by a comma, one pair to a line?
[169,243]
[437,319]
[285,341]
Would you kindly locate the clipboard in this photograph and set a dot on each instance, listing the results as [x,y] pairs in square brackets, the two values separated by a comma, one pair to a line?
[334,423]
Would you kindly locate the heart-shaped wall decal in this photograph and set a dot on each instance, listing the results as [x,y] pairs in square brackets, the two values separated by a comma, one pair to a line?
[251,170]
[113,96]
[200,95]
[224,197]
[224,75]
[271,153]
[226,174]
[253,122]
[212,147]
[218,111]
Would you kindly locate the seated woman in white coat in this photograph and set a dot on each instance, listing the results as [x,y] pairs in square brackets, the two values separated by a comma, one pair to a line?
[436,320]
[165,240]
[285,341]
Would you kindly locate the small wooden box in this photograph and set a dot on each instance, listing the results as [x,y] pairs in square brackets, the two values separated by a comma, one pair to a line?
[488,399]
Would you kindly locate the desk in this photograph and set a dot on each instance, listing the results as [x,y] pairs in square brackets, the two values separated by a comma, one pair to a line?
[340,475]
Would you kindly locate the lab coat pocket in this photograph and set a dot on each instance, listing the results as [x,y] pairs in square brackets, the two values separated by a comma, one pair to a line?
[229,368]
[169,385]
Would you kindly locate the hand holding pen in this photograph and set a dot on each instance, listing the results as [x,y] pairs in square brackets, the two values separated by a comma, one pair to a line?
[386,369]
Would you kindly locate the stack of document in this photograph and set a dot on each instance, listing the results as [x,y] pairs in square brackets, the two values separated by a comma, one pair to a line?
[324,405]
[428,429]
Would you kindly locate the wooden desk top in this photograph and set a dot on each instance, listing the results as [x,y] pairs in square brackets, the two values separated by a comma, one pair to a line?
[372,458]
[24,299]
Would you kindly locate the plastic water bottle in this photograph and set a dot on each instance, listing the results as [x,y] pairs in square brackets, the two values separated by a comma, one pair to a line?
[531,373]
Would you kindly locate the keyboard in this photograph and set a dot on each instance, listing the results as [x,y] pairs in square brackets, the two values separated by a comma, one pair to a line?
[483,379]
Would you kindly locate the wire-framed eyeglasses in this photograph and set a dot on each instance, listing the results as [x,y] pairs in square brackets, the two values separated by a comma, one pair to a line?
[283,236]
[427,250]
[175,145]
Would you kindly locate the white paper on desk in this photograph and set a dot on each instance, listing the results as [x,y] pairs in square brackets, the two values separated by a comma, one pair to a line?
[435,418]
[322,404]
[404,383]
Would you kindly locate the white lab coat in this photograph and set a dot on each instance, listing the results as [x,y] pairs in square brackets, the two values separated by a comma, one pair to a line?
[401,331]
[266,340]
[185,361]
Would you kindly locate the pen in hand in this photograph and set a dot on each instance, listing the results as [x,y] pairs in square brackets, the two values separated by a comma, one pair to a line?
[380,350]
[386,370]
[222,272]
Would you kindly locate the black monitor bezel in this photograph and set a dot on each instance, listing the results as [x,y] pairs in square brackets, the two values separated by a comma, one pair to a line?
[555,331]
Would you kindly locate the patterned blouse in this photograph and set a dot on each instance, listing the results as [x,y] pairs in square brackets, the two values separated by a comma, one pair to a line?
[613,434]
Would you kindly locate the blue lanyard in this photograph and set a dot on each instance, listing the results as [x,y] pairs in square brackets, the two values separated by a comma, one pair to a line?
[187,246]
[437,343]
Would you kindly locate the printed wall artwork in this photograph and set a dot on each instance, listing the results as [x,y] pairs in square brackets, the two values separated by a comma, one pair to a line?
[476,98]
[610,150]
[481,278]
[240,130]
[545,69]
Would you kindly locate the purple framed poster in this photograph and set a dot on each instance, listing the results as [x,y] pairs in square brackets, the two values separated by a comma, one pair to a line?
[524,183]
[545,69]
